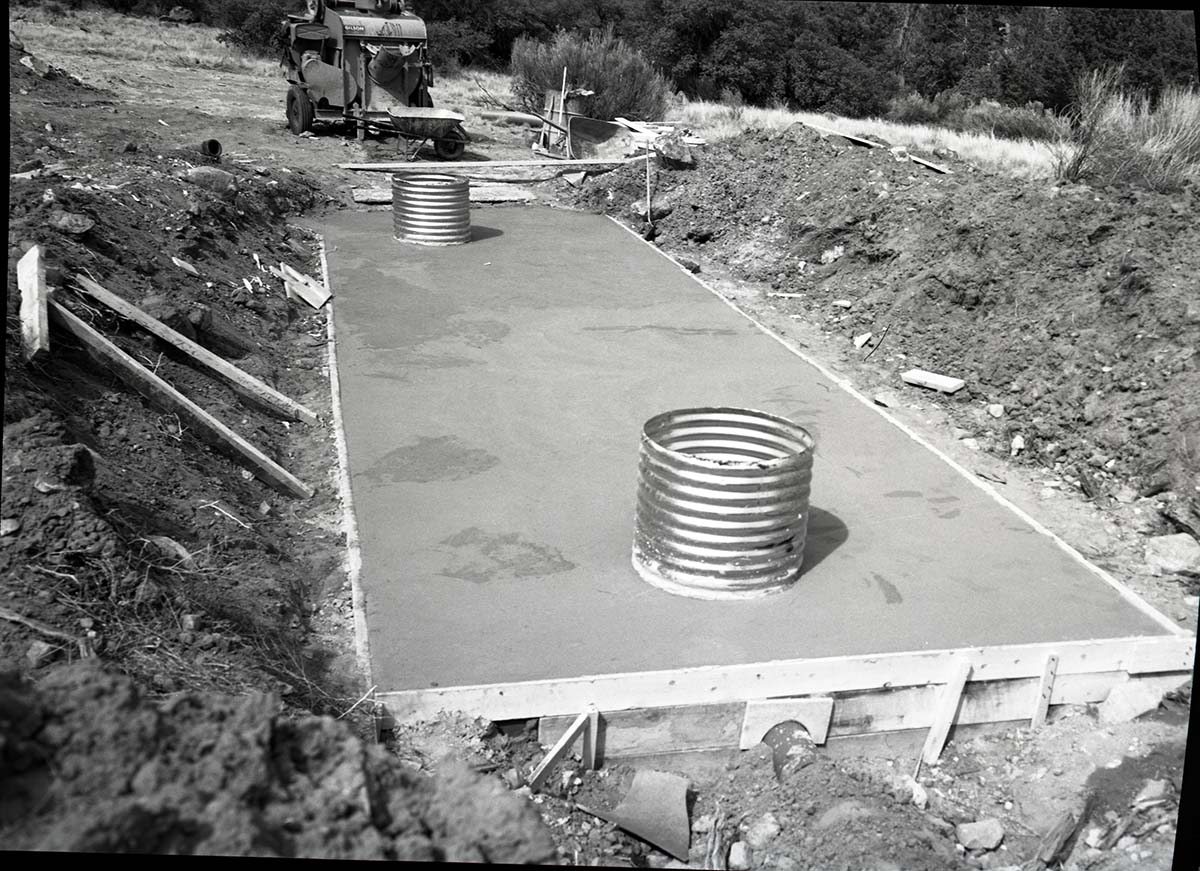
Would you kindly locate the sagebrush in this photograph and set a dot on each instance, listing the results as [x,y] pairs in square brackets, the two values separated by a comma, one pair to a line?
[625,83]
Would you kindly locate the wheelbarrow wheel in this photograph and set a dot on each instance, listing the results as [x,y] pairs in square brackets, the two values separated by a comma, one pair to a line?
[300,110]
[452,145]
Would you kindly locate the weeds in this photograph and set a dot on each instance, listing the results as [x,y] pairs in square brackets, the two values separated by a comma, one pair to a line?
[623,80]
[1117,137]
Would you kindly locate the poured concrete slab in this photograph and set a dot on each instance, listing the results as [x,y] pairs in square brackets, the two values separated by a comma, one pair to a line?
[493,395]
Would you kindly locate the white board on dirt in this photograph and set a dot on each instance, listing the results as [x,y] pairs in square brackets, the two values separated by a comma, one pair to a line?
[932,380]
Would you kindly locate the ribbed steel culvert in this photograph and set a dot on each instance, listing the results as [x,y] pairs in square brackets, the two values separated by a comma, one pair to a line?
[431,209]
[722,506]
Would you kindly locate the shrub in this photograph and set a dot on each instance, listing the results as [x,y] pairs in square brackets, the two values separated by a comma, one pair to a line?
[625,82]
[825,78]
[1007,122]
[456,44]
[256,25]
[912,109]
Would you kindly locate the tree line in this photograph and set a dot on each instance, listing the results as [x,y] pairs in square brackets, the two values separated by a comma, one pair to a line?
[847,58]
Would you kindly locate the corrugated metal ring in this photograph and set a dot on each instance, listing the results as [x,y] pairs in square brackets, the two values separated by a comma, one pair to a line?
[722,507]
[431,209]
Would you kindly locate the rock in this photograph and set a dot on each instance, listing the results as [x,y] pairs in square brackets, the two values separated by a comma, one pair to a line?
[147,593]
[699,235]
[69,222]
[862,339]
[1126,842]
[702,825]
[1125,494]
[191,622]
[763,832]
[1094,837]
[843,303]
[1127,701]
[1152,791]
[216,180]
[982,835]
[841,812]
[658,209]
[1168,554]
[972,443]
[996,410]
[673,150]
[1018,444]
[10,525]
[740,856]
[180,15]
[887,399]
[690,265]
[39,651]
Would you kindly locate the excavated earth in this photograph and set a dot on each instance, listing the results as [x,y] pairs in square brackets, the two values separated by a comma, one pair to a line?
[1076,309]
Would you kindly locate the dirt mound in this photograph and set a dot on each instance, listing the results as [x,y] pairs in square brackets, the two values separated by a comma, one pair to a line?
[28,73]
[89,765]
[1073,308]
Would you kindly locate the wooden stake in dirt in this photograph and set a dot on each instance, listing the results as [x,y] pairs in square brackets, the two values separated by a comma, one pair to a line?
[1045,690]
[943,717]
[162,394]
[220,367]
[649,206]
[586,724]
[35,323]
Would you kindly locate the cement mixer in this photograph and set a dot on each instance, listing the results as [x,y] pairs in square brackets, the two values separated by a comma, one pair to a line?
[366,62]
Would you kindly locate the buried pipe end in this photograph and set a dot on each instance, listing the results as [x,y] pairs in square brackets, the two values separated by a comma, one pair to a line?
[211,148]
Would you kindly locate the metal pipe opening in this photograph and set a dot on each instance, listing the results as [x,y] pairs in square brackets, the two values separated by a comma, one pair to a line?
[722,502]
[431,209]
[211,148]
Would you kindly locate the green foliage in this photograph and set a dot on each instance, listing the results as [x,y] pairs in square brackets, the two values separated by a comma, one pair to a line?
[255,26]
[624,81]
[826,78]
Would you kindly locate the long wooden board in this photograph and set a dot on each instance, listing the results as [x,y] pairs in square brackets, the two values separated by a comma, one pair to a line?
[219,366]
[798,677]
[162,394]
[451,166]
[651,731]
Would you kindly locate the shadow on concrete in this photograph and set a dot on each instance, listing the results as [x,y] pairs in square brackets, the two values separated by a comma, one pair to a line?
[478,232]
[826,533]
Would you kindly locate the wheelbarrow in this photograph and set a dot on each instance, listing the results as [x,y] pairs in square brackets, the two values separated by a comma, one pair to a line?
[417,126]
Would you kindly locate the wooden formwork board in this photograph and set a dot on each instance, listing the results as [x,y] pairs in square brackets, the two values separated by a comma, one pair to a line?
[703,708]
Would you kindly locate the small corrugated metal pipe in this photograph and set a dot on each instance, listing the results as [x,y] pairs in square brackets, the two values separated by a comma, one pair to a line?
[722,502]
[431,209]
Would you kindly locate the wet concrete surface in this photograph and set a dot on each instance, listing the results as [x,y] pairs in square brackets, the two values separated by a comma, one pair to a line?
[493,395]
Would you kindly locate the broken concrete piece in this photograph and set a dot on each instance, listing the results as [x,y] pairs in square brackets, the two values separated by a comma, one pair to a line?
[996,410]
[740,856]
[1168,554]
[1153,791]
[862,339]
[982,835]
[1127,701]
[886,399]
[932,380]
[69,222]
[1018,444]
[763,832]
[10,525]
[843,303]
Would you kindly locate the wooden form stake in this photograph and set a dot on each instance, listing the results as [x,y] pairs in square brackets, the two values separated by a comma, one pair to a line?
[944,717]
[162,394]
[1045,691]
[586,724]
[35,324]
[217,365]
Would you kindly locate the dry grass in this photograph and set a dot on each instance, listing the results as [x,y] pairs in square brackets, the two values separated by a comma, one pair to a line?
[1020,159]
[460,90]
[102,34]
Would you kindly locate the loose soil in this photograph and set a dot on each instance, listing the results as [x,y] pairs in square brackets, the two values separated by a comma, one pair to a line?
[218,609]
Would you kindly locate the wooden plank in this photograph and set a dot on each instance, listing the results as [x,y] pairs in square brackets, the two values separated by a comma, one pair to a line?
[684,728]
[217,365]
[949,700]
[852,138]
[942,383]
[657,730]
[782,678]
[569,737]
[934,166]
[162,394]
[764,714]
[479,193]
[301,285]
[450,166]
[1045,691]
[35,321]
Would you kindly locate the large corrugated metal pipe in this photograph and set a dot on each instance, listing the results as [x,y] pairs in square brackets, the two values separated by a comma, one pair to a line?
[722,503]
[431,209]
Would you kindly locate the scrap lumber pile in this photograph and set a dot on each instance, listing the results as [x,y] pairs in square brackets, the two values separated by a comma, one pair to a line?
[42,307]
